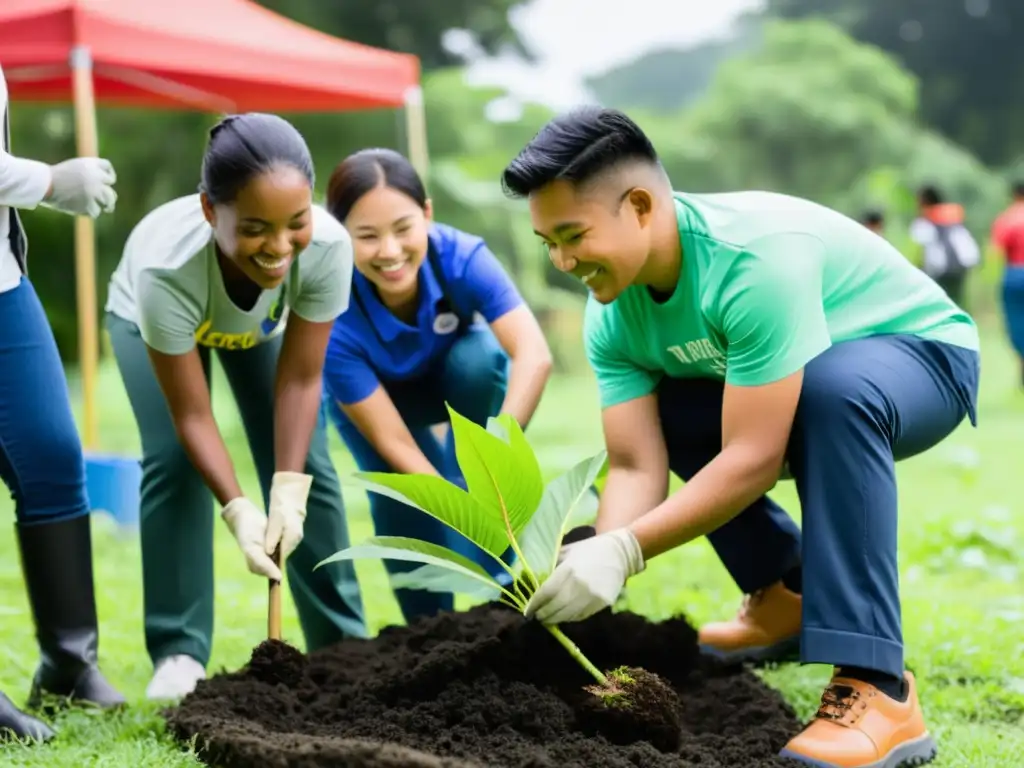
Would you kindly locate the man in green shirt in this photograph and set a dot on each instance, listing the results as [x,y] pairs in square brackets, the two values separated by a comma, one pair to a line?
[739,338]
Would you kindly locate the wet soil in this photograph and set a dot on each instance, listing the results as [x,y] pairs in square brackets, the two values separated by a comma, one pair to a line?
[485,689]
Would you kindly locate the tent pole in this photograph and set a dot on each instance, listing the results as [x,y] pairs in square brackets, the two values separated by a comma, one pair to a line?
[85,242]
[416,130]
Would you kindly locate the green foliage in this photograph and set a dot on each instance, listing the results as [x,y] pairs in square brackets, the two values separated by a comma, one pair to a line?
[506,504]
[670,79]
[410,26]
[965,95]
[773,120]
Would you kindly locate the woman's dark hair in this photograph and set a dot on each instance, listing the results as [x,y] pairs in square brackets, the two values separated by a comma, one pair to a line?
[246,145]
[367,169]
[576,147]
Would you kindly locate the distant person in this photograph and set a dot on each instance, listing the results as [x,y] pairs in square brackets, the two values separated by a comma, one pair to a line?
[949,250]
[41,460]
[435,319]
[252,269]
[1008,235]
[875,221]
[739,338]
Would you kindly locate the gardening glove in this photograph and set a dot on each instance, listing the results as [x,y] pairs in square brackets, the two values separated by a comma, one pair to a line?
[589,577]
[249,527]
[82,186]
[288,494]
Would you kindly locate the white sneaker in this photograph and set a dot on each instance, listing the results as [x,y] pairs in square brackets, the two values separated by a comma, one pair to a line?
[175,677]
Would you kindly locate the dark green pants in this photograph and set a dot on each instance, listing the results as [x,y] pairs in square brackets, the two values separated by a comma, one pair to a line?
[176,516]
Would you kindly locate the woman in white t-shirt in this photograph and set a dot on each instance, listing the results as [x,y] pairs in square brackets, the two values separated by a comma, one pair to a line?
[251,268]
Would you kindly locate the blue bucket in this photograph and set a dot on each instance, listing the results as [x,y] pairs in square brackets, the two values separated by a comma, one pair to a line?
[113,484]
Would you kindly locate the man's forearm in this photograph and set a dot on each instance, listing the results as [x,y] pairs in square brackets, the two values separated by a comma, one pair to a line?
[726,486]
[629,494]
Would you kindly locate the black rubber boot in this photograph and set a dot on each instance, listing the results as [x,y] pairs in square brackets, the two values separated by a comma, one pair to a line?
[17,725]
[56,559]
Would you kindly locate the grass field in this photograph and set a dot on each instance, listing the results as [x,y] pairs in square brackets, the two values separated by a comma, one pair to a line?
[961,529]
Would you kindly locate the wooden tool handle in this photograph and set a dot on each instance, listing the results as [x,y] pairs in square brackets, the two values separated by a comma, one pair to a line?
[274,611]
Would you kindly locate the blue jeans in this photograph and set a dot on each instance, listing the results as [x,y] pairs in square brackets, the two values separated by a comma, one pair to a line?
[41,459]
[1013,306]
[865,405]
[472,378]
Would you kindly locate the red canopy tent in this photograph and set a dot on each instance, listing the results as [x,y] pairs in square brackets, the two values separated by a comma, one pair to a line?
[215,55]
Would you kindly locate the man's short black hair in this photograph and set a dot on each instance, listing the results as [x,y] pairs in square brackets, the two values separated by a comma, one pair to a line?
[576,147]
[929,195]
[873,216]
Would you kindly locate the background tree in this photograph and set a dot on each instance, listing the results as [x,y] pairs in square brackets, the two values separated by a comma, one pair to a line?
[967,52]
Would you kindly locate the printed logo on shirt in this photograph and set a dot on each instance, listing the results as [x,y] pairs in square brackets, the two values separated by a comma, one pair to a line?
[273,318]
[219,340]
[445,323]
[698,352]
[247,340]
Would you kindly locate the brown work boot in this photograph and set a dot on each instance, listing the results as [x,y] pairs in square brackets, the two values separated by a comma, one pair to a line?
[858,726]
[767,628]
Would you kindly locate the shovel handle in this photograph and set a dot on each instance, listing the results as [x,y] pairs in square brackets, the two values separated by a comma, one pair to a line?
[274,608]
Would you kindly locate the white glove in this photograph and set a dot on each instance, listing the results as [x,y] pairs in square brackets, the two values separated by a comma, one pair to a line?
[249,526]
[589,577]
[288,494]
[82,186]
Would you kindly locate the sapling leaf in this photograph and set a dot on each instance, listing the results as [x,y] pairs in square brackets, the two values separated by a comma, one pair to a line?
[414,551]
[496,427]
[502,476]
[435,578]
[541,539]
[506,505]
[585,512]
[444,501]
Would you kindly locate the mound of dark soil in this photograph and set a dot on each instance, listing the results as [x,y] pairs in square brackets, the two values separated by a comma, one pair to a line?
[481,689]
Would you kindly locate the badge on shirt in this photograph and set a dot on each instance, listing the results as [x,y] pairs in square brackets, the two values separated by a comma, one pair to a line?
[445,323]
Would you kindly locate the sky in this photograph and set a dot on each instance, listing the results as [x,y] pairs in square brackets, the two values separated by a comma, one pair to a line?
[576,38]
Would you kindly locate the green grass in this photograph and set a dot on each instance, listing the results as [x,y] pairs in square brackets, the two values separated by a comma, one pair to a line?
[961,535]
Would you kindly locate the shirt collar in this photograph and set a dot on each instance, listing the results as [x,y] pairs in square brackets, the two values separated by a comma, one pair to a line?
[386,324]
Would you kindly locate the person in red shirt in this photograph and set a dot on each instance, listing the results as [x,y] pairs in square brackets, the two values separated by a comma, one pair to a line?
[1008,235]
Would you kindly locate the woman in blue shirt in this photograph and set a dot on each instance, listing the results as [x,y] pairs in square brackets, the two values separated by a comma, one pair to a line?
[434,318]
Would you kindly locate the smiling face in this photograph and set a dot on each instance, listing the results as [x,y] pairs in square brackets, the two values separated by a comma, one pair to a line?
[267,226]
[389,236]
[600,236]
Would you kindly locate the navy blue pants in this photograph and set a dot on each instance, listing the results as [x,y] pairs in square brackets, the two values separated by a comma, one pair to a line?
[865,405]
[473,379]
[41,458]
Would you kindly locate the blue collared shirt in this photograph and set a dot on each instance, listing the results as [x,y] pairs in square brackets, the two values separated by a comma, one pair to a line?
[369,347]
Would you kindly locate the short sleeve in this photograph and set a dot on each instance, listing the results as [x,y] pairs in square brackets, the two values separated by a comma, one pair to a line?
[770,309]
[348,376]
[489,285]
[167,322]
[325,286]
[921,231]
[618,379]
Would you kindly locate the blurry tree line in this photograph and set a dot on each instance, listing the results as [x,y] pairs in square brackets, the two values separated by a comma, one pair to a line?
[829,105]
